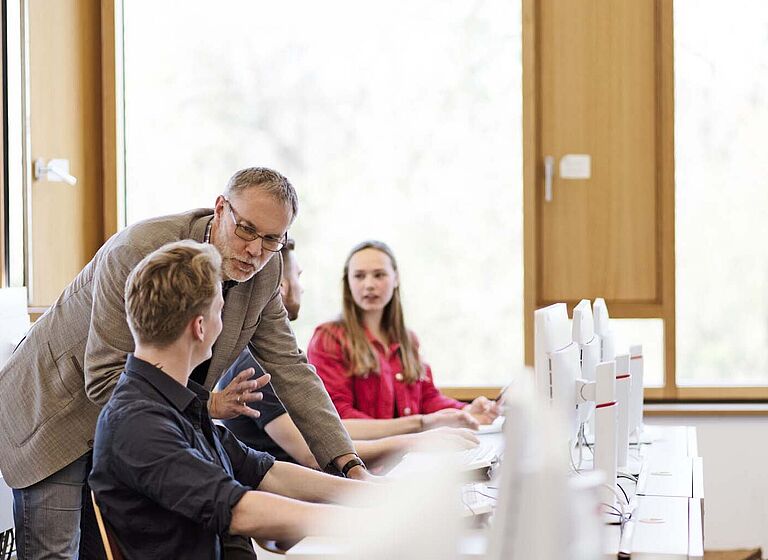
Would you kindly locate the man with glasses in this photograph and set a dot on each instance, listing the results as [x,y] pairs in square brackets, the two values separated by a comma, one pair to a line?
[54,385]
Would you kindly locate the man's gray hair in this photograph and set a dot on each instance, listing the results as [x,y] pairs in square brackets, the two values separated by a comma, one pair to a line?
[269,181]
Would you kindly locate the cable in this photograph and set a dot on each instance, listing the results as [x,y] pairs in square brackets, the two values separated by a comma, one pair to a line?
[573,465]
[623,492]
[584,442]
[491,496]
[579,438]
[618,496]
[466,504]
[623,517]
[629,476]
[615,511]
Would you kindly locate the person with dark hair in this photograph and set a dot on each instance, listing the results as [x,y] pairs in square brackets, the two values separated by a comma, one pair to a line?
[169,482]
[290,281]
[274,431]
[370,362]
[55,383]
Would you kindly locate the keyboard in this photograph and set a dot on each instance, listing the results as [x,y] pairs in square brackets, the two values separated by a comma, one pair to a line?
[481,456]
[416,462]
[476,499]
[492,428]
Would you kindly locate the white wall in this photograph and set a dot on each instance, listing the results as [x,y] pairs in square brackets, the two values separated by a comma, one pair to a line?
[735,453]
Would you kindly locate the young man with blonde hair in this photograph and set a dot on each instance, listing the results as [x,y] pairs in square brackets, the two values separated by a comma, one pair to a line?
[171,483]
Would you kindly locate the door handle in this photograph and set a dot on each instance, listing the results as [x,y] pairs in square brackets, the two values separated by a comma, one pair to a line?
[54,170]
[549,172]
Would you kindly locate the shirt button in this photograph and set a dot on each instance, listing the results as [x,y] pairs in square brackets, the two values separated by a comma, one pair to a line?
[406,411]
[398,377]
[90,443]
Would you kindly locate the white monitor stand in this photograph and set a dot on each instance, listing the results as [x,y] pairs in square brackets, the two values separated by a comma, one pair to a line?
[636,366]
[606,419]
[623,387]
[604,331]
[583,333]
[556,364]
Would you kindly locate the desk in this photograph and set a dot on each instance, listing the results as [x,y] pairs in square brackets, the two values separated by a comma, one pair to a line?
[665,527]
[668,520]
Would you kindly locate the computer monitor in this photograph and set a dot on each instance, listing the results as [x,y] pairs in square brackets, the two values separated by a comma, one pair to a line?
[604,331]
[583,333]
[636,410]
[557,364]
[541,512]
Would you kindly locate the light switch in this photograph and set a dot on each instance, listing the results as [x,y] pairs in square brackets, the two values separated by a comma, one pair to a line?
[576,166]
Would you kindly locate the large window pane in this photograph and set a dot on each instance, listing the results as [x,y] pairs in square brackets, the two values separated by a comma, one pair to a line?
[399,121]
[650,334]
[721,119]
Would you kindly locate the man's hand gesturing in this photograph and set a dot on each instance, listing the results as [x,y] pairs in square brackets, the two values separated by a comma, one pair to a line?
[233,400]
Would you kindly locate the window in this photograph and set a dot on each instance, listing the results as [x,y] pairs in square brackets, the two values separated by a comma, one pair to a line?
[649,333]
[14,158]
[721,119]
[397,121]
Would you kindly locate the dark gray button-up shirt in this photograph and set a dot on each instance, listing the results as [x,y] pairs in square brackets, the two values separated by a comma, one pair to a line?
[165,476]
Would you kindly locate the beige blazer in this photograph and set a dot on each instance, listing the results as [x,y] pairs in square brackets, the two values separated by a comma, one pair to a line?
[55,383]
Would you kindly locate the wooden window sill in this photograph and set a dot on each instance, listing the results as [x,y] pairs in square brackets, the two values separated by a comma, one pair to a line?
[705,409]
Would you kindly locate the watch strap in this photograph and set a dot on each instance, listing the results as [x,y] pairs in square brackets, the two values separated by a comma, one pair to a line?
[349,465]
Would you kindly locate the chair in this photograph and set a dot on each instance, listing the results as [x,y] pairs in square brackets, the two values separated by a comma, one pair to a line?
[268,549]
[107,536]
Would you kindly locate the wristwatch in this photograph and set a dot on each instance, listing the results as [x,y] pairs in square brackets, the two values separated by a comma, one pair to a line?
[352,463]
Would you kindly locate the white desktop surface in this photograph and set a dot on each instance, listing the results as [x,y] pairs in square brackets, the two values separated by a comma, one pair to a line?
[661,530]
[671,476]
[471,546]
[667,527]
[670,441]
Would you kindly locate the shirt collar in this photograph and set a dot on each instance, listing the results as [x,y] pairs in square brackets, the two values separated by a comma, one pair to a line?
[200,224]
[226,285]
[178,395]
[207,236]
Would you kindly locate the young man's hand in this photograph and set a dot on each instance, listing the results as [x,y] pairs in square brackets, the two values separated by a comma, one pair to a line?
[451,417]
[442,439]
[359,473]
[232,401]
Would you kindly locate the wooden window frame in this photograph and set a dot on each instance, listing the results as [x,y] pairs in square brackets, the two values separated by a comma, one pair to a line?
[113,116]
[670,391]
[3,160]
[114,195]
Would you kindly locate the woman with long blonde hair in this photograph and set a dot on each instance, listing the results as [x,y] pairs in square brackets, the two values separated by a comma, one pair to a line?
[370,363]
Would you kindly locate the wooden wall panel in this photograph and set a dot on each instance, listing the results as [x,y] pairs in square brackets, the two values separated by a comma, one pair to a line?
[65,122]
[597,96]
[598,79]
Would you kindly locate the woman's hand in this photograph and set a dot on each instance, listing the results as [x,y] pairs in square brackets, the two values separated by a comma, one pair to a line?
[451,417]
[232,401]
[483,409]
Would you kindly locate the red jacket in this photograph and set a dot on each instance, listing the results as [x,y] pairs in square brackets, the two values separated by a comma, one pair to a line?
[375,395]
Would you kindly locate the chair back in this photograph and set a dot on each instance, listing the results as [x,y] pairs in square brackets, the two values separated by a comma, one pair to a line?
[107,536]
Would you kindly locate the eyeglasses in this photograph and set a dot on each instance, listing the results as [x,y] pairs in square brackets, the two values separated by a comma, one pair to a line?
[247,233]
